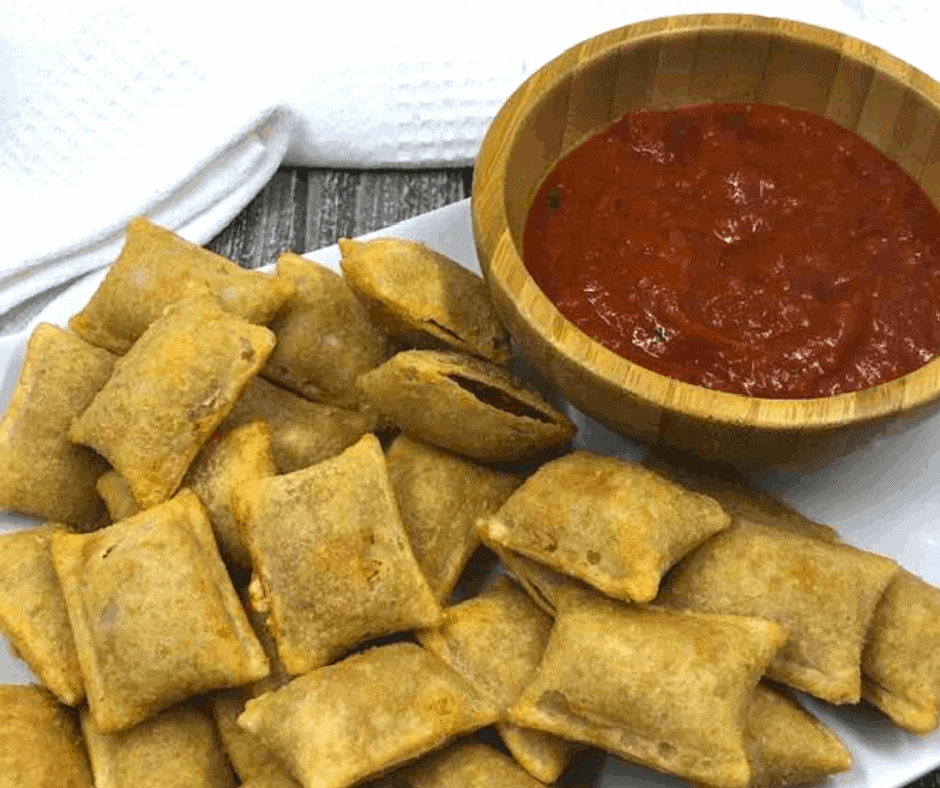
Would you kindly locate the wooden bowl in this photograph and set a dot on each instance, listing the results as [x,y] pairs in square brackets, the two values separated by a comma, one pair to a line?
[660,64]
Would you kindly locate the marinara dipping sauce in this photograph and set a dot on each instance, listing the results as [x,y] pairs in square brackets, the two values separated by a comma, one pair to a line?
[743,247]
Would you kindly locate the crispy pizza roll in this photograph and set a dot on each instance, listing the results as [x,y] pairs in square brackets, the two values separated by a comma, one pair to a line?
[155,617]
[33,613]
[302,432]
[667,689]
[44,475]
[325,339]
[117,495]
[440,497]
[248,754]
[901,660]
[169,393]
[227,461]
[825,593]
[366,715]
[495,641]
[424,299]
[40,743]
[786,745]
[331,557]
[157,268]
[469,764]
[464,405]
[615,525]
[179,748]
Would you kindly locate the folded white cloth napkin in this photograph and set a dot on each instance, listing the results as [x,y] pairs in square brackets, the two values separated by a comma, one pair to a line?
[174,111]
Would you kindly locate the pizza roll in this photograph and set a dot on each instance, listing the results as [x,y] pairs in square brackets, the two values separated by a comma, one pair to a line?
[331,557]
[179,748]
[169,393]
[44,475]
[825,593]
[154,614]
[464,405]
[901,660]
[495,641]
[786,745]
[424,299]
[40,743]
[667,689]
[544,586]
[117,495]
[324,337]
[302,432]
[227,461]
[469,764]
[249,757]
[440,497]
[615,525]
[370,713]
[157,268]
[33,613]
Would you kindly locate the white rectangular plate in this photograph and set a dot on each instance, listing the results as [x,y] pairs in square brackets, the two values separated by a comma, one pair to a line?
[885,498]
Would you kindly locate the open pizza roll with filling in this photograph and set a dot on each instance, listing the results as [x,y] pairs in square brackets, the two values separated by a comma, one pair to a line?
[44,475]
[825,593]
[154,614]
[325,339]
[614,525]
[440,497]
[495,641]
[786,745]
[302,432]
[157,268]
[367,715]
[332,561]
[169,393]
[666,689]
[179,748]
[424,299]
[464,405]
[469,764]
[33,613]
[40,742]
[901,660]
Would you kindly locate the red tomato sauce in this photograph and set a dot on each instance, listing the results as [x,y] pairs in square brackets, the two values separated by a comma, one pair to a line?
[743,247]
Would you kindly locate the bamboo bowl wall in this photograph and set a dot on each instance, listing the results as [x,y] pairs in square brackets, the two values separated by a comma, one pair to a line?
[660,64]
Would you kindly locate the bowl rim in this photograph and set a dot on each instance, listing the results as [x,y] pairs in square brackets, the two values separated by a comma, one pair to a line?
[504,269]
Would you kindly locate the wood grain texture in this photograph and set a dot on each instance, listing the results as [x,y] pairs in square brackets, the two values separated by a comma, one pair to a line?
[662,64]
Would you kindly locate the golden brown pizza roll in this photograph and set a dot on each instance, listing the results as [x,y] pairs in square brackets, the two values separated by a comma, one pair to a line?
[331,558]
[302,432]
[33,613]
[179,748]
[157,268]
[249,757]
[370,713]
[117,495]
[440,497]
[901,660]
[469,764]
[825,593]
[169,393]
[786,745]
[228,460]
[424,299]
[154,614]
[667,689]
[615,525]
[495,641]
[44,475]
[464,405]
[40,743]
[324,337]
